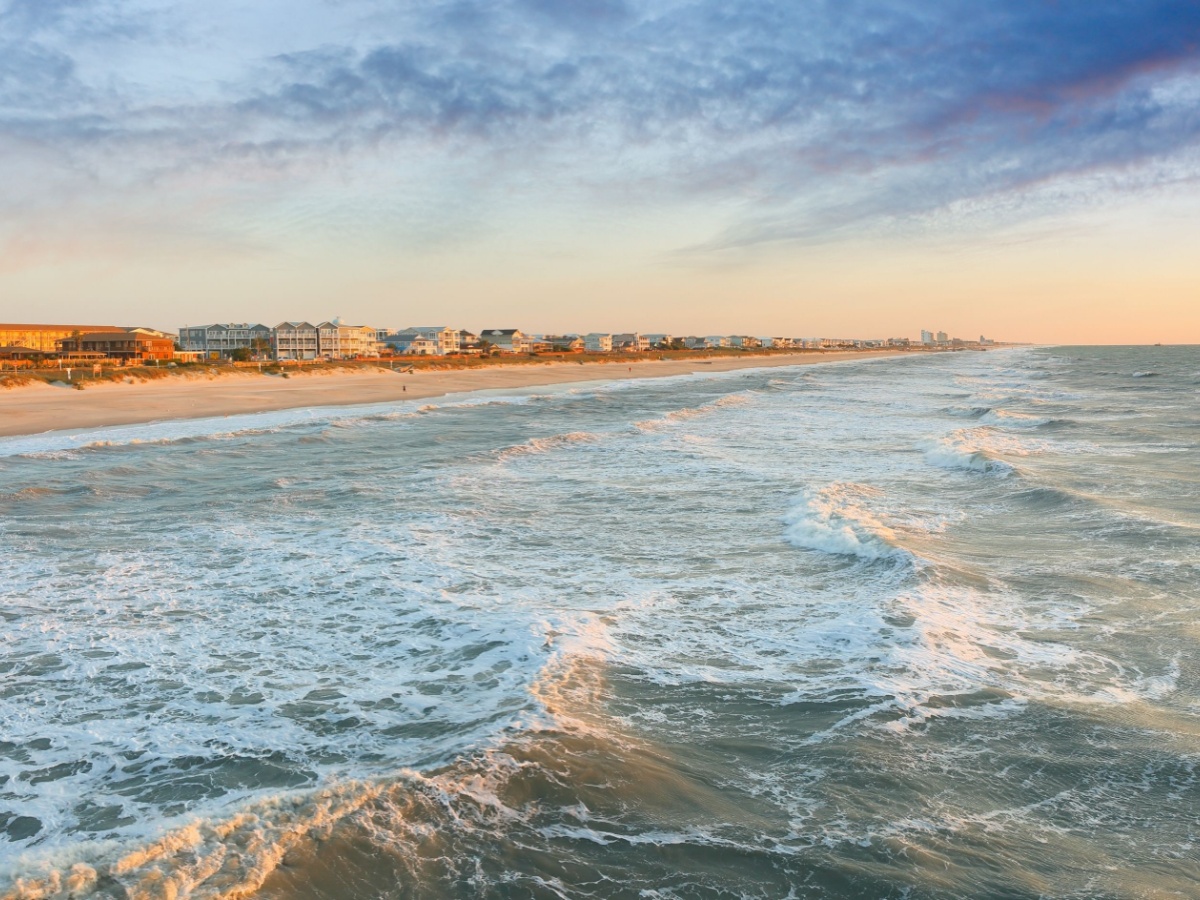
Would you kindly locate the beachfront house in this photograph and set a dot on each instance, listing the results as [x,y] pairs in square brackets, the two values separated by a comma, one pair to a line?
[630,342]
[336,340]
[358,341]
[659,341]
[745,342]
[295,340]
[132,345]
[709,342]
[448,340]
[506,340]
[411,343]
[563,342]
[468,344]
[597,342]
[220,340]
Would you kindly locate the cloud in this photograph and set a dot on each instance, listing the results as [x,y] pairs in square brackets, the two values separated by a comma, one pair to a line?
[825,117]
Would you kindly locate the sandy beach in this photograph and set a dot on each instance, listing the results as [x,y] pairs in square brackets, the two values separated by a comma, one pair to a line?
[39,408]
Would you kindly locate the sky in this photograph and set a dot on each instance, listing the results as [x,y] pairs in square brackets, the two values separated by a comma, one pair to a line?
[841,168]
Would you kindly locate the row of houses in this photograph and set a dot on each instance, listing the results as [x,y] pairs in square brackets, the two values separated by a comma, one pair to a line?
[338,340]
[287,340]
[441,341]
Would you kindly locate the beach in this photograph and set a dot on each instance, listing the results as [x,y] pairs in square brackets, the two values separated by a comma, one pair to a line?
[37,408]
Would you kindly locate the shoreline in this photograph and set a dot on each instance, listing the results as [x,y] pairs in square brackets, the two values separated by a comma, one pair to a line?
[41,409]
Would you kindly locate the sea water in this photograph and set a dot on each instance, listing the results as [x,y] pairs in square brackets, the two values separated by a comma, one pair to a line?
[915,627]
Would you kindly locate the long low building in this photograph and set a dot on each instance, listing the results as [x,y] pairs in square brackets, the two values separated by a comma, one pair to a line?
[45,338]
[134,344]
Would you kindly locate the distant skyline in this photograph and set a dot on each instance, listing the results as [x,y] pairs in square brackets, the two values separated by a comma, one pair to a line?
[1025,170]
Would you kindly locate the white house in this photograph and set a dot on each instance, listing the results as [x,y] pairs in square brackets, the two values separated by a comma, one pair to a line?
[597,342]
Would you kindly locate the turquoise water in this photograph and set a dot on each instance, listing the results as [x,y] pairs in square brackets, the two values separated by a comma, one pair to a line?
[915,627]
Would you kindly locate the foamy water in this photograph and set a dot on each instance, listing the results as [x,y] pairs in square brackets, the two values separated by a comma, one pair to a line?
[909,627]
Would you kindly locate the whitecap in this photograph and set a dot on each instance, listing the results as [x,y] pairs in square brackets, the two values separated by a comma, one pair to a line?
[838,520]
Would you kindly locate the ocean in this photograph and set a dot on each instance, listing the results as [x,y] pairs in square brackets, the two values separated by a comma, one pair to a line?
[917,627]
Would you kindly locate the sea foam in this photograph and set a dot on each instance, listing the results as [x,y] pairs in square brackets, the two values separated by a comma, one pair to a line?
[838,519]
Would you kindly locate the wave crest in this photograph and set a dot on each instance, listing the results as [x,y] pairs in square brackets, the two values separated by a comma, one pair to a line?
[547,444]
[838,520]
[978,450]
[692,412]
[1013,419]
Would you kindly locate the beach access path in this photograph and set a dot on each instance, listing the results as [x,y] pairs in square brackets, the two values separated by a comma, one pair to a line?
[38,408]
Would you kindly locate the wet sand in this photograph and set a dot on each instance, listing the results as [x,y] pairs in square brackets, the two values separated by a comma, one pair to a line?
[39,408]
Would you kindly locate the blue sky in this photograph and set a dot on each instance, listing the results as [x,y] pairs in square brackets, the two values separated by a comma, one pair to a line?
[814,167]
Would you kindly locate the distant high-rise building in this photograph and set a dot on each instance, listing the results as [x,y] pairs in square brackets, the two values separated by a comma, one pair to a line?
[926,336]
[942,337]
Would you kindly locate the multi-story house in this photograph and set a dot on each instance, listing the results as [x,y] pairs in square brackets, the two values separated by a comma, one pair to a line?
[596,342]
[295,340]
[447,340]
[339,341]
[129,345]
[411,343]
[561,342]
[358,341]
[745,342]
[222,340]
[506,340]
[631,342]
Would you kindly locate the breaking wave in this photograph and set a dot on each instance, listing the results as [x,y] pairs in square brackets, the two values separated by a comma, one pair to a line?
[838,520]
[547,444]
[980,449]
[681,415]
